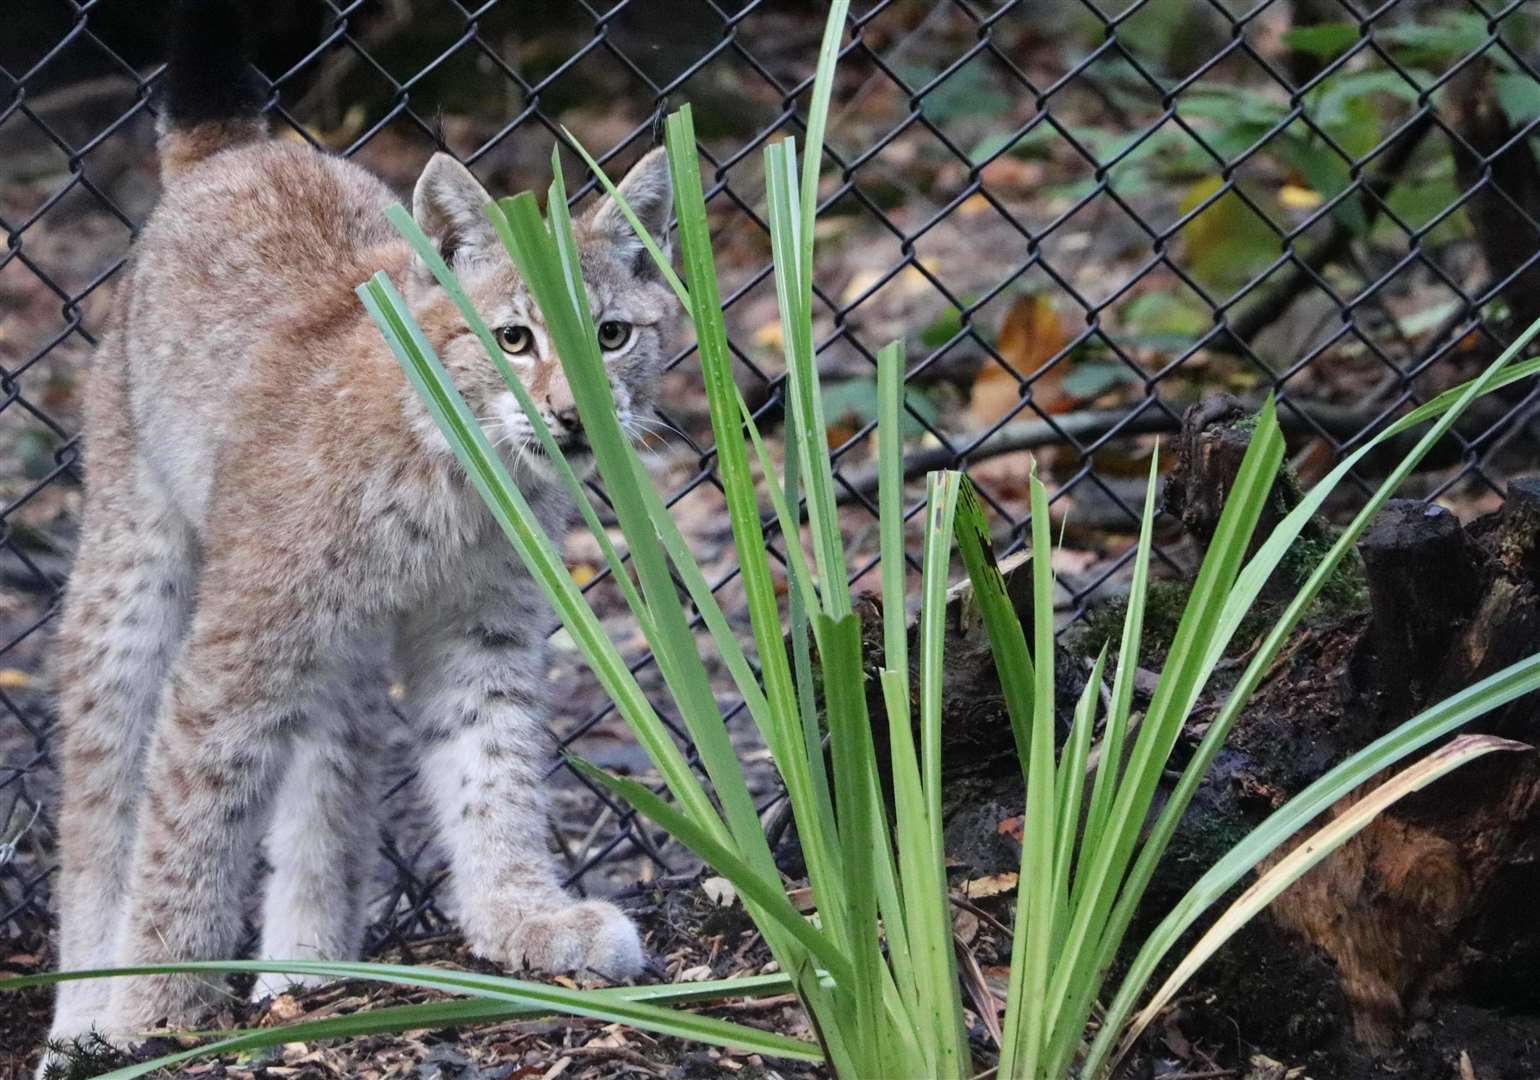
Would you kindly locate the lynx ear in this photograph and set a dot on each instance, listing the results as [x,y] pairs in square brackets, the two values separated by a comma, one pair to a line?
[449,205]
[649,191]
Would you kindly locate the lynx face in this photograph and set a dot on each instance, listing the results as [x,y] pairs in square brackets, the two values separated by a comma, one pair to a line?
[633,309]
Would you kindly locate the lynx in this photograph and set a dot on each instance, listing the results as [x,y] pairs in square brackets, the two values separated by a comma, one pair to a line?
[272,521]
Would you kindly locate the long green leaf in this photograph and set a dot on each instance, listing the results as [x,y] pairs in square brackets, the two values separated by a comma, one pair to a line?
[1075,979]
[610,1008]
[788,246]
[771,898]
[854,776]
[1116,730]
[434,1016]
[427,251]
[783,735]
[552,271]
[1070,787]
[924,853]
[1037,897]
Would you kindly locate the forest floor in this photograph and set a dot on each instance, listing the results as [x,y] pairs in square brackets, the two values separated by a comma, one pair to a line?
[690,938]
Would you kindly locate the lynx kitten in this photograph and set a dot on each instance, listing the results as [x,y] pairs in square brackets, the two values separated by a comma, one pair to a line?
[271,519]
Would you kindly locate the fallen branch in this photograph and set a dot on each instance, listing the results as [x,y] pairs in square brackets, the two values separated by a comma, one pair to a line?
[1307,419]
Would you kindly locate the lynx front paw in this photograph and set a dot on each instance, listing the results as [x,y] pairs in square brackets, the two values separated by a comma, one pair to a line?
[148,1003]
[588,936]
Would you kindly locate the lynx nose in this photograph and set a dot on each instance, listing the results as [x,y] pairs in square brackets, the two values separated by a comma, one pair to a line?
[568,419]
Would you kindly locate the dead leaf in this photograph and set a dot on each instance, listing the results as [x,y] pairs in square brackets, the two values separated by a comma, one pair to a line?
[1467,1070]
[285,1007]
[974,205]
[1030,336]
[989,885]
[14,679]
[1226,242]
[859,283]
[1012,827]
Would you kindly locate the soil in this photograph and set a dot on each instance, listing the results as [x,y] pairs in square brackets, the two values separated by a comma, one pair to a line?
[1266,1013]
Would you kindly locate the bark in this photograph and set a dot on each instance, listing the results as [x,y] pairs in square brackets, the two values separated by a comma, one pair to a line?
[1433,897]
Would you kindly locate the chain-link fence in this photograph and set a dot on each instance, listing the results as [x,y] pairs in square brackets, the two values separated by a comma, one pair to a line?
[1080,217]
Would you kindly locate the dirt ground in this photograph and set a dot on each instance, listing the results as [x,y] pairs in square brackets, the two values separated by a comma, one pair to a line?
[691,938]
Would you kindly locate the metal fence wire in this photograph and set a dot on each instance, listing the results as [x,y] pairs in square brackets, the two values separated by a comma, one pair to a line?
[1080,216]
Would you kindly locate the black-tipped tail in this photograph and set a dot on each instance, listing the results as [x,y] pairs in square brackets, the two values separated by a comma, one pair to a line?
[208,78]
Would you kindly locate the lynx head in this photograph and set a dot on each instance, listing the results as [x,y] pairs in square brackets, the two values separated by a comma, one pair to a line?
[633,309]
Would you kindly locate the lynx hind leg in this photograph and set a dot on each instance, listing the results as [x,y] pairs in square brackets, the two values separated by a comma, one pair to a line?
[238,698]
[475,686]
[323,837]
[124,615]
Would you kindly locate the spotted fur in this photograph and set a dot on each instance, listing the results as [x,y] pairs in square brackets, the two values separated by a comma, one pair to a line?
[272,519]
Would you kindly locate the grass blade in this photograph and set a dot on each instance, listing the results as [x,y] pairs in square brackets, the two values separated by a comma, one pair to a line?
[433,1016]
[534,548]
[613,1009]
[1070,786]
[854,775]
[770,898]
[426,250]
[550,265]
[1076,979]
[1114,735]
[923,853]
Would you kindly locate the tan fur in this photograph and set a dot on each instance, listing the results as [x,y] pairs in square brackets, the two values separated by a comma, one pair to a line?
[271,518]
[182,148]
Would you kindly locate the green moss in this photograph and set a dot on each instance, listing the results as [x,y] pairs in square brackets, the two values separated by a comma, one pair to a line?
[1163,608]
[1345,592]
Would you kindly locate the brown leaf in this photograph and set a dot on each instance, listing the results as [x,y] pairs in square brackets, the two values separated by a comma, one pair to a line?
[989,885]
[1030,335]
[1012,827]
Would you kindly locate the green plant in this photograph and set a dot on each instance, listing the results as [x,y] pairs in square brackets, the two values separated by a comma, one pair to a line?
[875,966]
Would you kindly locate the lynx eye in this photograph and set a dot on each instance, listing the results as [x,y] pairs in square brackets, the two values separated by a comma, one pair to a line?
[515,340]
[614,334]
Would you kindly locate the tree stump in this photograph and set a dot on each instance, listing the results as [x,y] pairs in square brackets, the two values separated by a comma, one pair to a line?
[1434,896]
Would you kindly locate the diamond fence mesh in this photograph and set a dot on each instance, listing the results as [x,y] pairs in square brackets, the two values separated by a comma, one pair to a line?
[1080,217]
